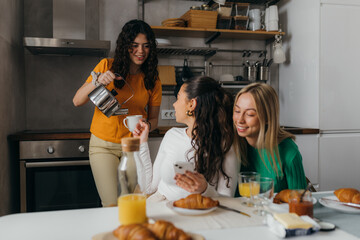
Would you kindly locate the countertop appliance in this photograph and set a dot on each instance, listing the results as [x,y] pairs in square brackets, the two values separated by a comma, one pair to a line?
[55,174]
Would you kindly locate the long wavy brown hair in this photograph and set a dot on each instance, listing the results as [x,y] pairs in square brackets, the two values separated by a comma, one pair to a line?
[270,134]
[122,60]
[212,134]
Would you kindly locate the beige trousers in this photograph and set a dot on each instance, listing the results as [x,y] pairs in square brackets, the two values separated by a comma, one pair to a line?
[104,160]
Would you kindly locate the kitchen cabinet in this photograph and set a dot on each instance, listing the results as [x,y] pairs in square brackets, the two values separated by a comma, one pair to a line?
[318,85]
[309,148]
[339,162]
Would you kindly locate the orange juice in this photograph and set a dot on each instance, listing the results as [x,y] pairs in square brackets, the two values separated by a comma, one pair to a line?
[244,189]
[132,209]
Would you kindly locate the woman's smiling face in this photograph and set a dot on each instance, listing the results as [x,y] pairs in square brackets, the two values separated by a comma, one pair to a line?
[246,119]
[139,50]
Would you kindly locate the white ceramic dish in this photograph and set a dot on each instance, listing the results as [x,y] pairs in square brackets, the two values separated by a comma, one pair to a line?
[189,212]
[163,42]
[284,207]
[110,236]
[336,205]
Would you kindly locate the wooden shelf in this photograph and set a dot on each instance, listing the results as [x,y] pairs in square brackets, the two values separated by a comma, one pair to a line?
[161,31]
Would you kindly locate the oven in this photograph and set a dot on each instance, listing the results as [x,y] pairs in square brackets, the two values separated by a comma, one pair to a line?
[56,175]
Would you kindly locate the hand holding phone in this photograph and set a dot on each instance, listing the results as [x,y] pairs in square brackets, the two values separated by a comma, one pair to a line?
[181,167]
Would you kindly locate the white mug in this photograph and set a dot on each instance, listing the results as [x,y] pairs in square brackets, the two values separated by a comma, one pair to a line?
[131,121]
[253,26]
[273,13]
[273,26]
[255,14]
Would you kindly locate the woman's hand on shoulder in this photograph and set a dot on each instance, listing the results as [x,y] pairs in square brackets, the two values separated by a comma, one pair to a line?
[192,182]
[107,77]
[142,131]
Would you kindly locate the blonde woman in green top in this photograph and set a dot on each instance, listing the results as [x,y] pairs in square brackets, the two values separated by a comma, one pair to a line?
[262,145]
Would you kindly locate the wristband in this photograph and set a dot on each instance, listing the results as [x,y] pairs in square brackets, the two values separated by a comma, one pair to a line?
[95,76]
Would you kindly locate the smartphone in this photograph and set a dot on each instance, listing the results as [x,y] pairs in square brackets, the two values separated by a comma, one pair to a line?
[181,167]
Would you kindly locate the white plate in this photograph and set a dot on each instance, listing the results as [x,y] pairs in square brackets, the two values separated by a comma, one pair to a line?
[163,42]
[337,205]
[110,236]
[189,212]
[284,207]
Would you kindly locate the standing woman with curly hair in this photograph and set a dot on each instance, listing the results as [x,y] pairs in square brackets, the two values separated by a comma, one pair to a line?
[135,62]
[206,109]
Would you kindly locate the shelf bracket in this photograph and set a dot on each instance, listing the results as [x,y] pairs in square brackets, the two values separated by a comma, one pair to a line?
[212,37]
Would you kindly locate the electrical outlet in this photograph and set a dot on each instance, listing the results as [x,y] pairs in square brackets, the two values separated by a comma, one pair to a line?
[167,114]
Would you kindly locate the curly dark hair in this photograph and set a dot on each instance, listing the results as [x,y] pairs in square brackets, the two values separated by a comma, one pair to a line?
[122,60]
[213,134]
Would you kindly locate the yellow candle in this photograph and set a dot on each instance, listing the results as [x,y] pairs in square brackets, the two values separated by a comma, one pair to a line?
[244,189]
[132,209]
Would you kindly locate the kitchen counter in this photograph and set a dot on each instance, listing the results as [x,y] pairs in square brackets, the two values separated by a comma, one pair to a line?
[61,134]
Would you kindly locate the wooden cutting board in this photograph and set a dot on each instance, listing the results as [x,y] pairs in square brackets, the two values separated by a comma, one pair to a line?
[167,75]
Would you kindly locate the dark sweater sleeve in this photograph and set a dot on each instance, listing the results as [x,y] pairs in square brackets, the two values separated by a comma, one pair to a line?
[294,172]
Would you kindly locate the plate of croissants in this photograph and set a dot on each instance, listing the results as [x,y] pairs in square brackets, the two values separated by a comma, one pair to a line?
[160,230]
[194,204]
[280,203]
[344,200]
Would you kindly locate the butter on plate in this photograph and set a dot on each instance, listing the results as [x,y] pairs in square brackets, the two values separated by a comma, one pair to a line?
[292,221]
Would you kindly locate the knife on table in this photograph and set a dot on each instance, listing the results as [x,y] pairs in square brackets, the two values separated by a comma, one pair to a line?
[341,203]
[234,210]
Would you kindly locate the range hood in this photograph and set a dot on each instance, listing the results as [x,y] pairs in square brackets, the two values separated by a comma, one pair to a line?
[50,46]
[75,31]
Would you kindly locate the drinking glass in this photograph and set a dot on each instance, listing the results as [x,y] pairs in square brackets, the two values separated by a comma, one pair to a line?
[244,185]
[132,209]
[262,191]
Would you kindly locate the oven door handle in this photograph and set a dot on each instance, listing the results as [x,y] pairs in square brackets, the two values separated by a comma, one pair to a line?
[57,164]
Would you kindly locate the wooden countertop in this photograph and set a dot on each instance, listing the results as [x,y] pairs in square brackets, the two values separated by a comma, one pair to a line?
[85,134]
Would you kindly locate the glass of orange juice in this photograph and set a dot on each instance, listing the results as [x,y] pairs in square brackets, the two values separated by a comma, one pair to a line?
[132,209]
[244,186]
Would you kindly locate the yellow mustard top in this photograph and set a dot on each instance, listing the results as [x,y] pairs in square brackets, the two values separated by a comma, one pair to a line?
[112,129]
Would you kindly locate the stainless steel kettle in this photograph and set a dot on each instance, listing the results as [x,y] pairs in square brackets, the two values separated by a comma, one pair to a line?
[105,100]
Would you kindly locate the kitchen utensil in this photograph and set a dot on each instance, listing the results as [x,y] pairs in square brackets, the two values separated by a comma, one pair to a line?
[270,62]
[234,210]
[252,72]
[105,100]
[341,203]
[263,73]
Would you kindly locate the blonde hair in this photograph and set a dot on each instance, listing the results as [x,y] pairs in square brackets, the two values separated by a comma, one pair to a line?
[270,134]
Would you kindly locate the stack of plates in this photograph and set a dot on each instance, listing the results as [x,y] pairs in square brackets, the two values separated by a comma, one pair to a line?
[173,22]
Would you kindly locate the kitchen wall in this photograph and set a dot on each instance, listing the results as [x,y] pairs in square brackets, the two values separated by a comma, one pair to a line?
[12,94]
[51,81]
[37,91]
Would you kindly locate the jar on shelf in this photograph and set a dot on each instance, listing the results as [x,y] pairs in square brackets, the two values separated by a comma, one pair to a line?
[241,22]
[225,22]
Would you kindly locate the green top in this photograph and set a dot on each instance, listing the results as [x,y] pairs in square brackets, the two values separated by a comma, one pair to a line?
[293,171]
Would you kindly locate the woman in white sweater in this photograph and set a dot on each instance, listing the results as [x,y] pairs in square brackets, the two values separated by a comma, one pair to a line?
[206,109]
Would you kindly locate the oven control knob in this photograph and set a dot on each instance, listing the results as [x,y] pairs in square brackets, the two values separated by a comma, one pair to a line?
[82,148]
[50,149]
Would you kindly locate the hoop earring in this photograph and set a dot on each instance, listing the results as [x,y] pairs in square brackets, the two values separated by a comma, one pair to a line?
[189,113]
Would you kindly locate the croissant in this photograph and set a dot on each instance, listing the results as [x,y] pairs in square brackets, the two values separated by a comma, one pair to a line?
[196,201]
[282,196]
[349,195]
[164,230]
[134,232]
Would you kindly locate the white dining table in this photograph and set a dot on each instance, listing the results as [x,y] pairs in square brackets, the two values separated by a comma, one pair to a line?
[86,223]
